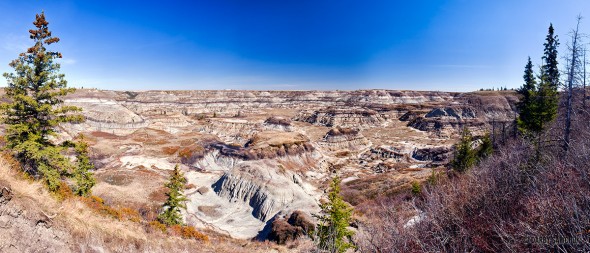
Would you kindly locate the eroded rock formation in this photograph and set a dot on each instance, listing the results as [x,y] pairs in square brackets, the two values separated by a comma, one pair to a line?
[255,156]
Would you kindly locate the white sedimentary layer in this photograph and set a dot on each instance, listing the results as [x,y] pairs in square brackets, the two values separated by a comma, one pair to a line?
[243,195]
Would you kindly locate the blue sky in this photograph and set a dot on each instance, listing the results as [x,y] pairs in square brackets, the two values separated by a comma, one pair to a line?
[458,45]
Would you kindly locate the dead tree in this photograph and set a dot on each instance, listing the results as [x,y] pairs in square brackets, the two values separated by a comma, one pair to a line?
[584,81]
[573,70]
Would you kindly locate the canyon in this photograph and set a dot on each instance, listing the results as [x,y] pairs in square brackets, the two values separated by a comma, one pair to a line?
[255,157]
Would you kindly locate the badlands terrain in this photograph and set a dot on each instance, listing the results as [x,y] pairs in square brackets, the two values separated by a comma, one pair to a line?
[252,157]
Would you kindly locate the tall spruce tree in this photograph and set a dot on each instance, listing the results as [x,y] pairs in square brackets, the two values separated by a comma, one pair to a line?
[171,214]
[550,68]
[547,94]
[36,108]
[333,234]
[539,101]
[527,106]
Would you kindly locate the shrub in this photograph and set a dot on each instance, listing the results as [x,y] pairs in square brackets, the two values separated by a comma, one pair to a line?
[156,225]
[97,204]
[416,188]
[64,192]
[130,214]
[465,156]
[190,232]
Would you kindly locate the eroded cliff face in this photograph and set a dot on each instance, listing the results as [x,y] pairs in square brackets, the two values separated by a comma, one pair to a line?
[238,195]
[253,157]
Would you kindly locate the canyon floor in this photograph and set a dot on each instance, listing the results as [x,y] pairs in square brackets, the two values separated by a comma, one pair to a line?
[252,157]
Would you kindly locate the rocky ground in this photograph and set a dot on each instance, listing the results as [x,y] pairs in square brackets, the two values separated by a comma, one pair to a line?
[253,157]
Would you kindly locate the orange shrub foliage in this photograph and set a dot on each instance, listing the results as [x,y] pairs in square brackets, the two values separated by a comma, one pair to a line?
[97,204]
[156,225]
[13,163]
[191,232]
[130,214]
[64,192]
[187,232]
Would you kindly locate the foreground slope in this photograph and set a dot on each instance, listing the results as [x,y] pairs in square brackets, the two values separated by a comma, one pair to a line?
[32,220]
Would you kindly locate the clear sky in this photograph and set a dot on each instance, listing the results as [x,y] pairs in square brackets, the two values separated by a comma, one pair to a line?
[455,45]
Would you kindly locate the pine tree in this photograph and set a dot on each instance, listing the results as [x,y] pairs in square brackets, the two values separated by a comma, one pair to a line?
[36,108]
[465,156]
[486,148]
[550,67]
[538,105]
[527,121]
[82,175]
[333,234]
[171,214]
[547,94]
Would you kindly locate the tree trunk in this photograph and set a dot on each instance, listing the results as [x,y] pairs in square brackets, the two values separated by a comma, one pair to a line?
[584,81]
[570,87]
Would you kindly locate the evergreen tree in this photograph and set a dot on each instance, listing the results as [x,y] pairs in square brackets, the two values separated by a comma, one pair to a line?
[527,106]
[171,214]
[36,109]
[547,94]
[486,148]
[538,105]
[465,156]
[550,68]
[82,175]
[546,102]
[333,233]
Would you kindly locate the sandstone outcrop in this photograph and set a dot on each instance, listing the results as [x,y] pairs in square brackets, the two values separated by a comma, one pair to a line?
[433,154]
[298,224]
[344,139]
[278,124]
[332,117]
